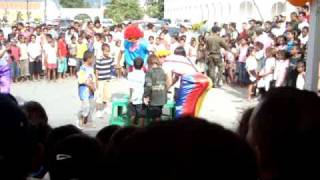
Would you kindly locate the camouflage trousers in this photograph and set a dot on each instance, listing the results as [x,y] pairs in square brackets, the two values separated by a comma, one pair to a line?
[215,68]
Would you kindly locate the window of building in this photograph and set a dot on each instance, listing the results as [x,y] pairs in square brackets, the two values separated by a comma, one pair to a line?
[246,8]
[278,8]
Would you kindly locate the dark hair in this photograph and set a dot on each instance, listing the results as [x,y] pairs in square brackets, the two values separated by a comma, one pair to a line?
[138,63]
[151,37]
[259,45]
[182,149]
[180,51]
[87,55]
[284,54]
[285,129]
[76,157]
[49,36]
[105,134]
[105,45]
[150,25]
[16,141]
[56,136]
[243,127]
[249,51]
[216,29]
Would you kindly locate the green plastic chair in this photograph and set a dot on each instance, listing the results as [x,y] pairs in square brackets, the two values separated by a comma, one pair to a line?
[171,107]
[119,114]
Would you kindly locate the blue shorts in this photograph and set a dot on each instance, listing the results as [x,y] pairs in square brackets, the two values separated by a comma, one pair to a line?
[15,71]
[62,65]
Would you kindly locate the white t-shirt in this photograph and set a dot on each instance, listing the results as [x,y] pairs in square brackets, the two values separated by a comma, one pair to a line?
[300,82]
[136,81]
[34,50]
[304,40]
[23,51]
[251,65]
[5,57]
[303,24]
[51,53]
[98,53]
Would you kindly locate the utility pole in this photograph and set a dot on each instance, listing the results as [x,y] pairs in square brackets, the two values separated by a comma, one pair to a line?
[45,11]
[28,15]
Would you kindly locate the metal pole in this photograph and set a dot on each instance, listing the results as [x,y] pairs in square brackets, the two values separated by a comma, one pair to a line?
[312,75]
[258,9]
[28,15]
[45,11]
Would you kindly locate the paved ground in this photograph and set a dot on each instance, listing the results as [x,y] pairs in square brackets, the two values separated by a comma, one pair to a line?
[61,102]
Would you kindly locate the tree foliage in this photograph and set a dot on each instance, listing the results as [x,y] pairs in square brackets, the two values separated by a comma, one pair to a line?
[83,17]
[155,8]
[74,4]
[121,10]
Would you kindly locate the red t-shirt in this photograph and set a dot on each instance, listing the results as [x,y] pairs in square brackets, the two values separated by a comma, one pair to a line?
[62,48]
[15,53]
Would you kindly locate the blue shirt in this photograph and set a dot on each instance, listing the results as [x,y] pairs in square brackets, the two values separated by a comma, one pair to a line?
[141,51]
[85,74]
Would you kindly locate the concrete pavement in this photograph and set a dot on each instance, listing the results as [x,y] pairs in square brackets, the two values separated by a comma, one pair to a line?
[60,99]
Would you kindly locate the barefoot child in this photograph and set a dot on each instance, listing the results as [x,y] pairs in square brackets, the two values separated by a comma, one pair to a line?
[86,80]
[251,66]
[51,58]
[72,56]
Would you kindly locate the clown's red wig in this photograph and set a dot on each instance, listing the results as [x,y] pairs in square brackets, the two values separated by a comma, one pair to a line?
[133,32]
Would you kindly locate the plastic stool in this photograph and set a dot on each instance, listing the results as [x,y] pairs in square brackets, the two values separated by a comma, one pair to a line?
[171,107]
[119,114]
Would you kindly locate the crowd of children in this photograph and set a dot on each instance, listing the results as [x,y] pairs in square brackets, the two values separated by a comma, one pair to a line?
[262,55]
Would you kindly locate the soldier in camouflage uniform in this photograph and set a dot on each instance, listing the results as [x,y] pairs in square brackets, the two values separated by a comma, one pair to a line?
[214,43]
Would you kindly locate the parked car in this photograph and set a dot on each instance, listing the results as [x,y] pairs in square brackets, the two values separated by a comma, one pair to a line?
[107,22]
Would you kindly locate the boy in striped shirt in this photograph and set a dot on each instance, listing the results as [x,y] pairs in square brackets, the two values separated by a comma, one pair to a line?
[103,73]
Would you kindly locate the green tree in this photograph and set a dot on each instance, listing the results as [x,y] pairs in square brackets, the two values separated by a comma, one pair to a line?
[82,17]
[155,8]
[74,4]
[120,10]
[19,16]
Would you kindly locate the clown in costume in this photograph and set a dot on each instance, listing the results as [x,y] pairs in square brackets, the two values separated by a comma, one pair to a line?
[194,86]
[5,72]
[134,46]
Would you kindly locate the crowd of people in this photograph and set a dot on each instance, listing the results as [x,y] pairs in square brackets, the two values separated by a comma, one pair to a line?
[256,55]
[277,139]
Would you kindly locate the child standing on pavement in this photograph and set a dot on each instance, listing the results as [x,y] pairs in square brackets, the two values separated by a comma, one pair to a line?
[103,68]
[62,56]
[72,47]
[15,56]
[24,62]
[155,90]
[51,50]
[87,81]
[136,80]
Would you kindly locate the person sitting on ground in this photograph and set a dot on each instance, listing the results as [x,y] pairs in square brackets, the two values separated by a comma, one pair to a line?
[284,129]
[183,149]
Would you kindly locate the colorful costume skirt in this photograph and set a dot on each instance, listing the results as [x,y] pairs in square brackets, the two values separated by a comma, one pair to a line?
[5,79]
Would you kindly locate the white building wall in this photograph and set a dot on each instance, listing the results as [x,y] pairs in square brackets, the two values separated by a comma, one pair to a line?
[222,10]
